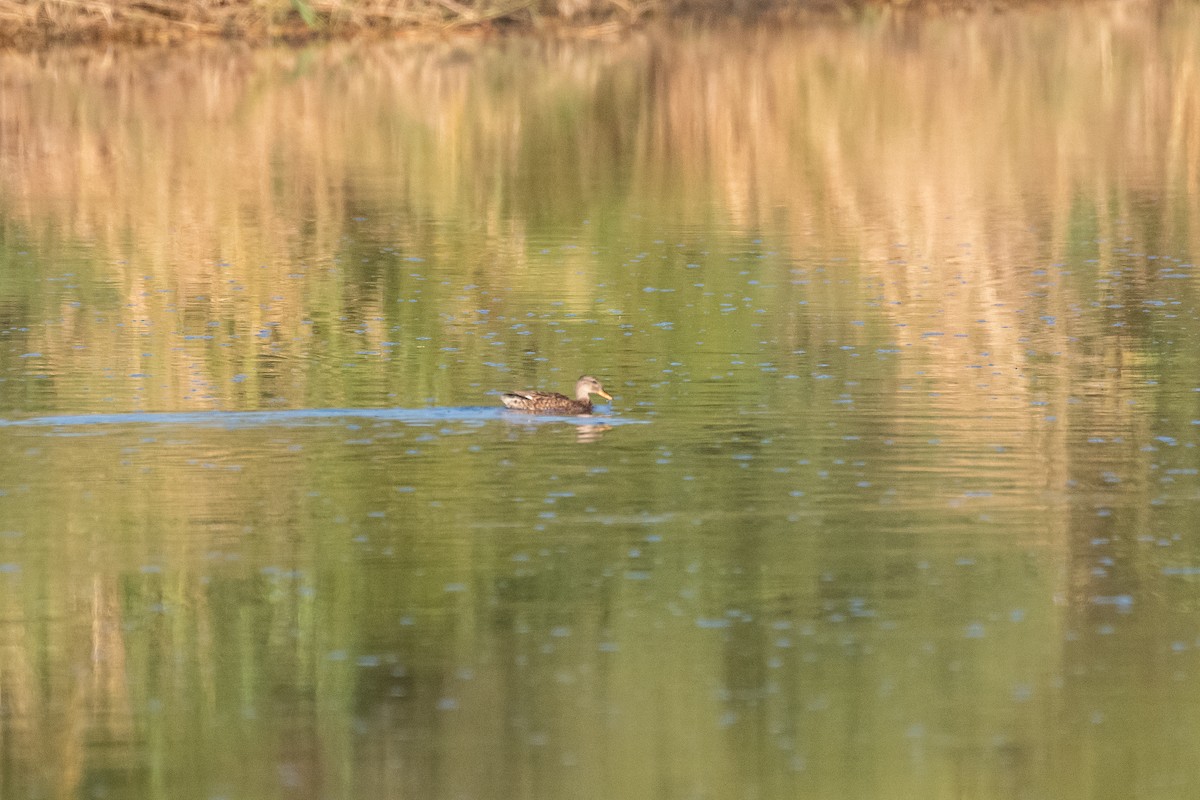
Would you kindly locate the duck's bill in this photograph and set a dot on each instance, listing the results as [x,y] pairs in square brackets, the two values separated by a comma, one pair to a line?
[604,394]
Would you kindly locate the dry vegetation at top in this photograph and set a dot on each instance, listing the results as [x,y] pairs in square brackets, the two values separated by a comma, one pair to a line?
[33,23]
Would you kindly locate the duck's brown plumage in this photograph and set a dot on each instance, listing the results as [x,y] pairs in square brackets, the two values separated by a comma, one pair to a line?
[555,403]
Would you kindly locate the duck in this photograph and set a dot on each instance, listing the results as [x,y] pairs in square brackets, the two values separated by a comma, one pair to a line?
[555,403]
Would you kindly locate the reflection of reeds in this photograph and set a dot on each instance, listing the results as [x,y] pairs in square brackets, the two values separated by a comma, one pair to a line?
[57,714]
[218,187]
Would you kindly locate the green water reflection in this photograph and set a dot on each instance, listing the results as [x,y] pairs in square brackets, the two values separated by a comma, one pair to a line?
[896,496]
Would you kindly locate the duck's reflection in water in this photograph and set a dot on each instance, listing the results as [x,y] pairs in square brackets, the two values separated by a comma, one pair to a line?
[590,433]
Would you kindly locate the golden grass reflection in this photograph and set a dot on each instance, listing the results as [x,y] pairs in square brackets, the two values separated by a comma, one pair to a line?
[219,184]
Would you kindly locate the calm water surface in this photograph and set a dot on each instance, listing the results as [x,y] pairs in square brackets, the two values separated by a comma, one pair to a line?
[897,495]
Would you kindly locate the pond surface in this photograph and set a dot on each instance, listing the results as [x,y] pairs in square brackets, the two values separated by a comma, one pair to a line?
[898,494]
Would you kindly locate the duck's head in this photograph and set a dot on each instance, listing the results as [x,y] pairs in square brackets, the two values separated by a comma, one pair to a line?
[587,386]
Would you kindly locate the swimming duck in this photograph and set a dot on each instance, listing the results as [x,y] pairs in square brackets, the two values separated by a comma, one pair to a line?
[555,403]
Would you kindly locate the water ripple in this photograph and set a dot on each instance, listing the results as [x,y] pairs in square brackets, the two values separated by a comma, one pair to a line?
[311,416]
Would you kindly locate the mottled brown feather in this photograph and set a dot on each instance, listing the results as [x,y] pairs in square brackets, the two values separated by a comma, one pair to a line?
[555,403]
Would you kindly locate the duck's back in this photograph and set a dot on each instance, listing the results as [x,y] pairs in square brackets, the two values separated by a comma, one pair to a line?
[544,401]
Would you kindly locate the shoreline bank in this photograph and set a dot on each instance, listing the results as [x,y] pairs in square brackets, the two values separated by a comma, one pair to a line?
[27,25]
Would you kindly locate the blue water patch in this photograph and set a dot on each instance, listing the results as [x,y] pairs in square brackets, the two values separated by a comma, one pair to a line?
[313,416]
